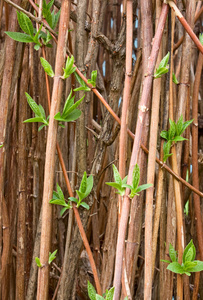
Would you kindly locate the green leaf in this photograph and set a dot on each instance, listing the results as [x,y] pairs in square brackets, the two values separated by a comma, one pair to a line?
[83,184]
[49,5]
[47,67]
[69,69]
[25,23]
[42,112]
[179,126]
[83,87]
[19,37]
[136,177]
[189,252]
[58,202]
[33,105]
[33,120]
[56,18]
[36,37]
[167,156]
[172,253]
[172,129]
[187,273]
[115,185]
[175,80]
[89,186]
[60,193]
[164,134]
[109,294]
[98,297]
[127,186]
[185,125]
[91,291]
[125,179]
[201,38]
[179,139]
[166,261]
[71,117]
[41,127]
[36,47]
[164,61]
[93,78]
[143,187]
[52,256]
[69,110]
[38,262]
[63,210]
[1,146]
[166,149]
[160,72]
[117,176]
[188,265]
[85,205]
[73,199]
[198,267]
[175,267]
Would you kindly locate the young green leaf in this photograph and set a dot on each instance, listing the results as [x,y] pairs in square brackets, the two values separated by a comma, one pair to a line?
[136,177]
[52,256]
[33,105]
[98,297]
[91,291]
[55,19]
[185,125]
[38,262]
[89,186]
[117,176]
[172,253]
[25,23]
[85,205]
[93,79]
[164,61]
[83,86]
[164,134]
[58,202]
[1,146]
[73,199]
[175,267]
[179,139]
[109,294]
[36,37]
[197,268]
[19,37]
[172,129]
[83,184]
[175,80]
[47,67]
[143,187]
[189,252]
[166,149]
[60,193]
[160,72]
[69,110]
[69,69]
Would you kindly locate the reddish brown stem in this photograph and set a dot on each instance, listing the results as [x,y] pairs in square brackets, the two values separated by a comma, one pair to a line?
[136,145]
[195,174]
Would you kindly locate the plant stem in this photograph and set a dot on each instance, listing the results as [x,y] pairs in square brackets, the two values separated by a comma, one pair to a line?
[136,145]
[43,275]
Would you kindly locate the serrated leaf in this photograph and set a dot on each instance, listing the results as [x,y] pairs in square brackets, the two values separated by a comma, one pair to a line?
[117,176]
[38,262]
[175,80]
[52,256]
[172,130]
[91,291]
[189,252]
[49,5]
[179,139]
[143,187]
[172,253]
[47,67]
[179,126]
[164,134]
[60,193]
[175,267]
[25,23]
[33,105]
[201,38]
[136,177]
[85,205]
[109,294]
[19,37]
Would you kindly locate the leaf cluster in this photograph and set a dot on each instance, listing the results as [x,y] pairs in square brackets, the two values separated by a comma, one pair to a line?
[84,190]
[173,135]
[83,86]
[163,67]
[94,296]
[58,198]
[70,112]
[93,79]
[30,35]
[121,185]
[39,113]
[52,256]
[69,69]
[189,264]
[50,16]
